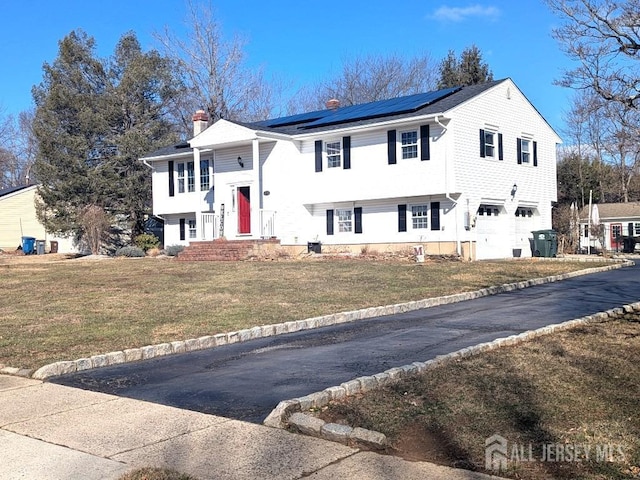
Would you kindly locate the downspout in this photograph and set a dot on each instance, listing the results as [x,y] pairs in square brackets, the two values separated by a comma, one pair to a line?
[446,183]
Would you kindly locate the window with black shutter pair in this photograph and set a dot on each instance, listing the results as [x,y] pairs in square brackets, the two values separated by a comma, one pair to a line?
[336,152]
[527,152]
[489,142]
[409,142]
[347,220]
[420,217]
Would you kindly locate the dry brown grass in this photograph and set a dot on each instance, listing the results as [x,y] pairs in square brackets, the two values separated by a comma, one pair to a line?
[55,308]
[579,387]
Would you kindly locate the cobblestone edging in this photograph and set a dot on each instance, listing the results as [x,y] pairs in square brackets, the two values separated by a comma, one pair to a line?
[211,341]
[290,413]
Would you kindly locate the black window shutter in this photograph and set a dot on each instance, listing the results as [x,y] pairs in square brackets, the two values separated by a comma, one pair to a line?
[435,215]
[424,142]
[519,151]
[329,222]
[500,153]
[482,143]
[391,146]
[402,218]
[318,155]
[630,229]
[357,212]
[346,152]
[171,182]
[535,154]
[182,233]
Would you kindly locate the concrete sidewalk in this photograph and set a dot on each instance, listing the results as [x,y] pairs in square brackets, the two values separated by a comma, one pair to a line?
[54,432]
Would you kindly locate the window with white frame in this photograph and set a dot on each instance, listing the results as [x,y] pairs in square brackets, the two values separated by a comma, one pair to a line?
[181,178]
[636,229]
[525,154]
[192,229]
[333,154]
[409,144]
[345,223]
[489,144]
[419,218]
[191,177]
[204,175]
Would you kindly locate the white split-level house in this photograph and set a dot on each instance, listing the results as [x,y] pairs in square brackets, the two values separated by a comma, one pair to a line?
[468,171]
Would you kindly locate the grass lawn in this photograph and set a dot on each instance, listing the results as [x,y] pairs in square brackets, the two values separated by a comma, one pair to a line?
[564,393]
[62,309]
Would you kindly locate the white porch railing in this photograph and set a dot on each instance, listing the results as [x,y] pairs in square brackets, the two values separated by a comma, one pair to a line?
[210,225]
[267,223]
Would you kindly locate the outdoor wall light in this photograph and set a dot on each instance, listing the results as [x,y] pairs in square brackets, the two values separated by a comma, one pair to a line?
[514,189]
[240,162]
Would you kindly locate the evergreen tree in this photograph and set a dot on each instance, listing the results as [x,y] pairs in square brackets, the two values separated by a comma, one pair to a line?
[94,119]
[468,70]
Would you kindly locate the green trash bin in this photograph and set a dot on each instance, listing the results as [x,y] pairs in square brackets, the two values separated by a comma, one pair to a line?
[545,243]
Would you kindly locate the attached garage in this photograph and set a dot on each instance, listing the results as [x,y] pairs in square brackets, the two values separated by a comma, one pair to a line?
[491,227]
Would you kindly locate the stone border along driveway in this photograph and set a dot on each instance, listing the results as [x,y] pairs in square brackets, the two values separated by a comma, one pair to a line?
[289,413]
[211,341]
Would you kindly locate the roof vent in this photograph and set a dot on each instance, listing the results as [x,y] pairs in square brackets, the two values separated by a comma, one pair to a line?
[333,104]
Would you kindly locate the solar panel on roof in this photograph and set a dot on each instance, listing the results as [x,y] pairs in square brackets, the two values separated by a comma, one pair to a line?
[294,119]
[380,108]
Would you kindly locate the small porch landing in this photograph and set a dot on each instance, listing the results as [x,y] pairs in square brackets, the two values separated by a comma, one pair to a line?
[226,250]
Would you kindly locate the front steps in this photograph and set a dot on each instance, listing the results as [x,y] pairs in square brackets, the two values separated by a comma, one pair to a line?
[227,250]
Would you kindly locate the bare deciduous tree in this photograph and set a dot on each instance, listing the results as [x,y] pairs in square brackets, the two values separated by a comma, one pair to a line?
[604,37]
[368,79]
[17,150]
[95,223]
[214,72]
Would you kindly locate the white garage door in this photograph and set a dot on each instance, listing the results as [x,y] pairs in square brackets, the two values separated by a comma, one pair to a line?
[525,224]
[492,239]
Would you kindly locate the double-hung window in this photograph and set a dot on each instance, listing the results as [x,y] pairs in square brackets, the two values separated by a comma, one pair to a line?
[345,223]
[419,216]
[334,155]
[489,144]
[192,229]
[204,175]
[191,178]
[525,153]
[181,178]
[409,144]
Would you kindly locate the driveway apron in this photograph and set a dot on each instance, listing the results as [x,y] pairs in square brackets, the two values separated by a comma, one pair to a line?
[247,380]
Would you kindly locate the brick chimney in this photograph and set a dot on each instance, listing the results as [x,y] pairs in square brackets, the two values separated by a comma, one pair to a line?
[200,122]
[333,104]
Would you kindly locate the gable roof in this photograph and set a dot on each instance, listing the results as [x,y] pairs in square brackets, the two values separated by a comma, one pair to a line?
[176,149]
[628,210]
[428,103]
[10,190]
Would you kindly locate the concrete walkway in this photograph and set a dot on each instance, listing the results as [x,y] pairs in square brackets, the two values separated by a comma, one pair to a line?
[54,432]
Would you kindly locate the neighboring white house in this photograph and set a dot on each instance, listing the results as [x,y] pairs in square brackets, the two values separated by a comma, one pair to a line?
[613,222]
[18,219]
[468,170]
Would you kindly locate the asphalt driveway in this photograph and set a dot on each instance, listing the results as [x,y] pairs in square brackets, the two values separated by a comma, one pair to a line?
[247,380]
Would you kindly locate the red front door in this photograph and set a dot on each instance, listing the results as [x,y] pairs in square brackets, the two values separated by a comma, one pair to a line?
[616,234]
[244,210]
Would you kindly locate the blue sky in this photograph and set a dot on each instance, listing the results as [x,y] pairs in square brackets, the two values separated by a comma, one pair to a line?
[302,41]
